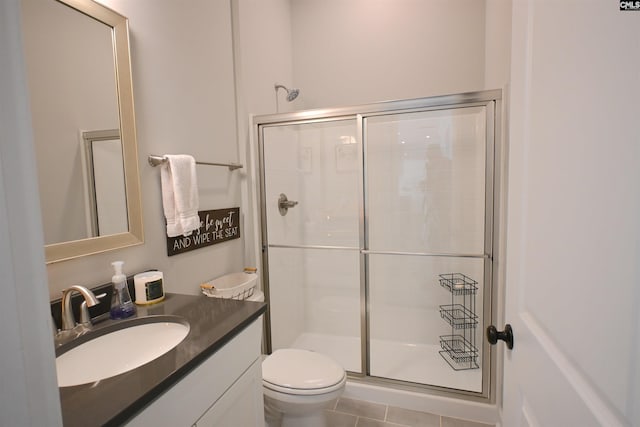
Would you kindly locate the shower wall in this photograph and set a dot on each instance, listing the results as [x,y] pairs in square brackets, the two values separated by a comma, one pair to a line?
[387,203]
[319,164]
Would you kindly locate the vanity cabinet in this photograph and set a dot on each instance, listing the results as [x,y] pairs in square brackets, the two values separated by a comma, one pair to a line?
[224,390]
[241,405]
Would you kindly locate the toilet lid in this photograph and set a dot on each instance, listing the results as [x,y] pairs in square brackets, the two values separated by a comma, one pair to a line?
[301,370]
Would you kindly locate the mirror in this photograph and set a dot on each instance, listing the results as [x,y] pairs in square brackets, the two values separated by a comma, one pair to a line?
[79,77]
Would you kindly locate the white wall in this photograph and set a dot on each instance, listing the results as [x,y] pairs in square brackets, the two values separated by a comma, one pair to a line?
[497,44]
[361,51]
[263,57]
[183,79]
[263,44]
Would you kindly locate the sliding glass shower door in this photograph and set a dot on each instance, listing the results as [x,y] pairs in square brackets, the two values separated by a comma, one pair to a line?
[425,175]
[378,237]
[313,237]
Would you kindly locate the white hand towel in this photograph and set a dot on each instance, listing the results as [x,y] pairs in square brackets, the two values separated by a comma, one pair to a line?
[180,194]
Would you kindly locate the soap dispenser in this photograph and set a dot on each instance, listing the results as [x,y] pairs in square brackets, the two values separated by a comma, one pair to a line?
[121,304]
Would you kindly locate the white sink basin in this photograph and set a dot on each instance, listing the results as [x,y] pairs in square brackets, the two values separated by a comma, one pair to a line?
[135,343]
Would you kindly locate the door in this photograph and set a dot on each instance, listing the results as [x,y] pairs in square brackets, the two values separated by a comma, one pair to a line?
[428,179]
[311,200]
[572,287]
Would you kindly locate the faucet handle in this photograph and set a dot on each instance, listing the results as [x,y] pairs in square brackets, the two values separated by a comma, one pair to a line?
[85,317]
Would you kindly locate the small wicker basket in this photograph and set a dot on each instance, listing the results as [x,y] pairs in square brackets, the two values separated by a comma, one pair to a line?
[238,286]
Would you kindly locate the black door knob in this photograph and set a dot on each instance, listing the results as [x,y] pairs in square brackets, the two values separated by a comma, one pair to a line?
[493,335]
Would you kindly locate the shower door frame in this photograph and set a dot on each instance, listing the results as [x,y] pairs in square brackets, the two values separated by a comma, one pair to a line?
[494,164]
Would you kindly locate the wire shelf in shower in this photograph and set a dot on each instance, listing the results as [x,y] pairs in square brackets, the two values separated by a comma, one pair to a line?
[458,284]
[458,316]
[459,349]
[458,352]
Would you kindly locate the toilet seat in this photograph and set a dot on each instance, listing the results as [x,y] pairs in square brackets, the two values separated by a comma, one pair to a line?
[301,372]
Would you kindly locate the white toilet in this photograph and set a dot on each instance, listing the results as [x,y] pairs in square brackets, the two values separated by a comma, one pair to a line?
[299,385]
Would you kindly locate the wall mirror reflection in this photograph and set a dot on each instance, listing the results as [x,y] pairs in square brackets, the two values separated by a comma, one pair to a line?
[103,178]
[79,79]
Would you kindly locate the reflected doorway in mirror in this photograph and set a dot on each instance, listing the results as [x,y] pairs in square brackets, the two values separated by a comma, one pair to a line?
[106,201]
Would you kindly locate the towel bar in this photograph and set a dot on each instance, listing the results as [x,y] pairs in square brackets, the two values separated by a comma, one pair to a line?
[158,160]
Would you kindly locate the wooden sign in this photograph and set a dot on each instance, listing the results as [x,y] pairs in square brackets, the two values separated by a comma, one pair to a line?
[216,226]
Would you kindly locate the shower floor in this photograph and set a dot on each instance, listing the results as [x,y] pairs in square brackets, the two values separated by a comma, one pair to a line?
[416,363]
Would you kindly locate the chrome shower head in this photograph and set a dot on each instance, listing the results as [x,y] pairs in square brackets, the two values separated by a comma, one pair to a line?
[291,93]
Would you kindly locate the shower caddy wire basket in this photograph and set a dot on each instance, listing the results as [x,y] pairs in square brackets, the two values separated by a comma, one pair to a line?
[459,348]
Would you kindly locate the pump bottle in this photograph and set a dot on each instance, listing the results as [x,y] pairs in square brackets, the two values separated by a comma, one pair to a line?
[121,304]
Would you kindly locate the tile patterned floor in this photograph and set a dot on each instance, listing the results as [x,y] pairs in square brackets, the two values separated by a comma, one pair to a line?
[358,413]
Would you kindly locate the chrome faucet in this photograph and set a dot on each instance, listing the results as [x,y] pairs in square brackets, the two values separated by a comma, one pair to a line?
[85,317]
[68,321]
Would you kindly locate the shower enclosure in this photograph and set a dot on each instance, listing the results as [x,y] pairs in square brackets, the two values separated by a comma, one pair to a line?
[378,237]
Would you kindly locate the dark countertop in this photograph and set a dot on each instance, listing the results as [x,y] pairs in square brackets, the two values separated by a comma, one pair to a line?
[112,401]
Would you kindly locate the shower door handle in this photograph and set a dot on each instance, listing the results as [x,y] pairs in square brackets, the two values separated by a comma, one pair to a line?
[493,335]
[284,204]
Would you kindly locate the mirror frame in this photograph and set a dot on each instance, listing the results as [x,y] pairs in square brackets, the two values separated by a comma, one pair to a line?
[122,64]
